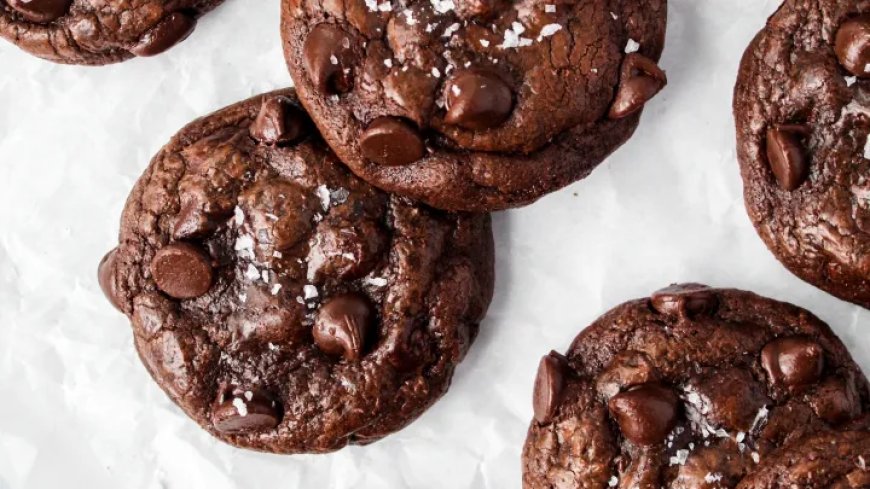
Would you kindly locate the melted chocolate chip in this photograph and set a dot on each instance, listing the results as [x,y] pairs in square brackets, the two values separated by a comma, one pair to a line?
[279,122]
[391,141]
[478,100]
[342,326]
[640,81]
[787,155]
[106,276]
[239,411]
[836,401]
[347,252]
[628,369]
[328,59]
[193,222]
[548,386]
[732,398]
[40,11]
[169,32]
[793,361]
[645,414]
[685,300]
[852,45]
[182,271]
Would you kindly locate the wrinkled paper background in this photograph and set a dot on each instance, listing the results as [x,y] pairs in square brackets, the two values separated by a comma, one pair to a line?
[76,406]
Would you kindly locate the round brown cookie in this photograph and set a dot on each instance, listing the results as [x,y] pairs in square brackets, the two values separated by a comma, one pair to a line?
[91,32]
[474,104]
[829,460]
[281,302]
[690,388]
[802,107]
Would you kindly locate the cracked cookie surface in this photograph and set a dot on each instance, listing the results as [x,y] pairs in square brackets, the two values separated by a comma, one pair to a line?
[283,303]
[802,110]
[829,460]
[691,388]
[99,32]
[474,104]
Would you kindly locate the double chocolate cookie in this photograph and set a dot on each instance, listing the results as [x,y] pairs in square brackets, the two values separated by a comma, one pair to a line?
[691,388]
[802,107]
[281,302]
[829,460]
[90,32]
[474,104]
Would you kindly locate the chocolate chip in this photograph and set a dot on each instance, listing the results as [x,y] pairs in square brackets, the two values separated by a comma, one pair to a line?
[478,100]
[836,401]
[852,45]
[732,398]
[346,252]
[182,271]
[793,361]
[245,411]
[106,277]
[391,141]
[40,11]
[641,79]
[628,369]
[685,300]
[548,386]
[645,414]
[167,33]
[787,155]
[279,122]
[342,326]
[328,59]
[192,222]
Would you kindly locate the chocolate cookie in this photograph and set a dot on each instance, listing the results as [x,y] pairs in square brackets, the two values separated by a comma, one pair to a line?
[281,302]
[89,32]
[474,104]
[829,460]
[691,388]
[802,106]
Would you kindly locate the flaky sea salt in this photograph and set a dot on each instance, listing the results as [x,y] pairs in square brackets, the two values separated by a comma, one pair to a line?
[240,406]
[252,273]
[310,292]
[711,478]
[442,6]
[548,30]
[377,281]
[680,458]
[324,195]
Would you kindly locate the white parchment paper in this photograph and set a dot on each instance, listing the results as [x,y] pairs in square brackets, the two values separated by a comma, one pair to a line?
[77,409]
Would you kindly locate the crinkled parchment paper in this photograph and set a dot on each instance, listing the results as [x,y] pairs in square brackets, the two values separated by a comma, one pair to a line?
[76,406]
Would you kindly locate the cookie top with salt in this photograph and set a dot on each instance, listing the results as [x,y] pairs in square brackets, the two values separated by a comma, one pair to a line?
[474,104]
[802,110]
[281,302]
[690,388]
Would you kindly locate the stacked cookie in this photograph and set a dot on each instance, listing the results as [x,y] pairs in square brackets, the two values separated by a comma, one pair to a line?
[278,294]
[305,269]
